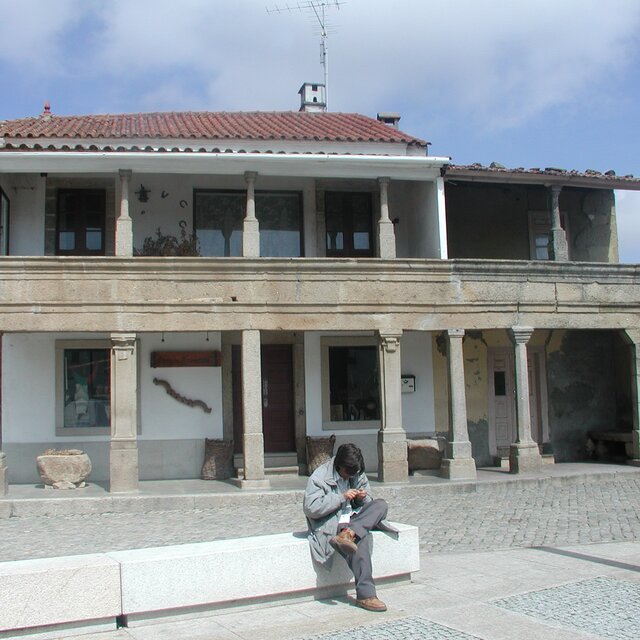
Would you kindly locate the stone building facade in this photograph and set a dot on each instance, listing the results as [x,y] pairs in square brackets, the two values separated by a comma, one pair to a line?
[259,278]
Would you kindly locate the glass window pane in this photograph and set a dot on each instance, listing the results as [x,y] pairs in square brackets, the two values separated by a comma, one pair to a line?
[94,239]
[67,240]
[354,392]
[499,383]
[218,222]
[87,398]
[280,219]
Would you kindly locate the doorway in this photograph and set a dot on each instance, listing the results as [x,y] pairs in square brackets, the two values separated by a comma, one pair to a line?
[502,399]
[278,416]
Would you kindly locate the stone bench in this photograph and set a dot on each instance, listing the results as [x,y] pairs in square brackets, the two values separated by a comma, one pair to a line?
[93,590]
[603,439]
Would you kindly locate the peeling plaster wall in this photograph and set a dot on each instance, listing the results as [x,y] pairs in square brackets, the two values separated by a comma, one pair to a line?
[476,347]
[492,221]
[582,395]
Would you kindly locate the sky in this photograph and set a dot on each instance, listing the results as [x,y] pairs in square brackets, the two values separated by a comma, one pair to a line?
[526,83]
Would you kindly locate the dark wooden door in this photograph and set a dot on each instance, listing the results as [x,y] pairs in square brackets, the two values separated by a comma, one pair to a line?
[278,419]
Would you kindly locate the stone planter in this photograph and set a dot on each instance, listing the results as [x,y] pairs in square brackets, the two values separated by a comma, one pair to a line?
[66,469]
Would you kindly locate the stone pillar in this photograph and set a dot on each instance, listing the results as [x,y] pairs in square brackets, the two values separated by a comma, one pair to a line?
[634,338]
[123,462]
[558,248]
[124,224]
[524,454]
[458,463]
[250,227]
[252,436]
[392,438]
[386,232]
[4,475]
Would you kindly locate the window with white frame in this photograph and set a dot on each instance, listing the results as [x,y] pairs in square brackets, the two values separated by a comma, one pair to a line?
[540,233]
[83,387]
[350,383]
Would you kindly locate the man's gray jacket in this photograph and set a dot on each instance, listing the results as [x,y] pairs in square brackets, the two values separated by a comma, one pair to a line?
[323,504]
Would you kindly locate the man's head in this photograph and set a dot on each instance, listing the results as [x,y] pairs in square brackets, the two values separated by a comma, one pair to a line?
[349,461]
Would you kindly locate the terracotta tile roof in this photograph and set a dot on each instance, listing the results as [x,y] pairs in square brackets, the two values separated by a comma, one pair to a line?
[496,169]
[285,126]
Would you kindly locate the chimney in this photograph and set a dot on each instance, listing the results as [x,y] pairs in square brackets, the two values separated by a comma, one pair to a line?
[391,119]
[312,97]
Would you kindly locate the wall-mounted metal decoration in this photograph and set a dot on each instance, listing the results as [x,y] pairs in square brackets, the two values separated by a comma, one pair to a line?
[164,194]
[184,204]
[143,194]
[174,394]
[142,212]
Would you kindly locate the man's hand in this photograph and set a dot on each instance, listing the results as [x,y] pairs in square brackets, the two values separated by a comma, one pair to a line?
[354,494]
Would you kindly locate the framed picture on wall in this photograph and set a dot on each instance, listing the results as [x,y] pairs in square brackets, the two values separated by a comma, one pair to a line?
[4,224]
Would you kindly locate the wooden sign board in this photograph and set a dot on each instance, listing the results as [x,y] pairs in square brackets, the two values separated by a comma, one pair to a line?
[186,359]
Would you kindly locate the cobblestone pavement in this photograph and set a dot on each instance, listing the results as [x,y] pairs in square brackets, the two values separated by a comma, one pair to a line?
[492,516]
[607,605]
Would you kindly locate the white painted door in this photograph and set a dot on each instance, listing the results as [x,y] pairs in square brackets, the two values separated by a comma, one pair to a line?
[502,400]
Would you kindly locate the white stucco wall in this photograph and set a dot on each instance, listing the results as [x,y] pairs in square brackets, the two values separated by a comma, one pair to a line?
[26,194]
[29,377]
[418,415]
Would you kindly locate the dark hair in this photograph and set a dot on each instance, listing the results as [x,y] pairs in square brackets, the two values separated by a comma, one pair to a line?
[350,458]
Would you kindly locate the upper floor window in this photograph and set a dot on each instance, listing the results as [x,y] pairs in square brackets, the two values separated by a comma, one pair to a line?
[80,222]
[4,224]
[218,218]
[349,224]
[540,233]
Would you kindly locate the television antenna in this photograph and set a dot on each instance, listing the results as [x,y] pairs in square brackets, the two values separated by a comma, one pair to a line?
[318,8]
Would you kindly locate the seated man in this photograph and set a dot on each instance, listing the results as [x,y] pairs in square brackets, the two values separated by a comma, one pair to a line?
[341,512]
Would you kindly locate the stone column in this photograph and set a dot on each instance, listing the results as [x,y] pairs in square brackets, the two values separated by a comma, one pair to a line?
[252,436]
[250,227]
[558,248]
[386,232]
[524,454]
[458,463]
[123,462]
[634,337]
[392,438]
[124,224]
[4,474]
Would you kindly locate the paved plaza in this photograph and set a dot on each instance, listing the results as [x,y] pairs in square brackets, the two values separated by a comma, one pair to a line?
[556,555]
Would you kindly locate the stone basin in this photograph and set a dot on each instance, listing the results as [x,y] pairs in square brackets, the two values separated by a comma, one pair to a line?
[67,470]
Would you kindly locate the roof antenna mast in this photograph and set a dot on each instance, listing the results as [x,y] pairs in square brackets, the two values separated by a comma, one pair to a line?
[318,8]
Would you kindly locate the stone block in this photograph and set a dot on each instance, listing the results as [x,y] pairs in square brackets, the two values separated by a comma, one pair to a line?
[424,454]
[225,571]
[54,591]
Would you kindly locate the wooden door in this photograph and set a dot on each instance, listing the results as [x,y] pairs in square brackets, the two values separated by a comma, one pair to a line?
[502,400]
[278,419]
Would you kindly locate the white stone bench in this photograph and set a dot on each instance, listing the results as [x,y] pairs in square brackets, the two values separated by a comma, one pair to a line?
[147,583]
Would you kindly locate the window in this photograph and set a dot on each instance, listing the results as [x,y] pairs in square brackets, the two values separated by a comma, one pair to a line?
[351,383]
[83,387]
[219,215]
[80,222]
[348,221]
[4,224]
[540,233]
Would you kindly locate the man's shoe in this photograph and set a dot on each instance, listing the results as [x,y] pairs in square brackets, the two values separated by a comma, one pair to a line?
[345,541]
[371,604]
